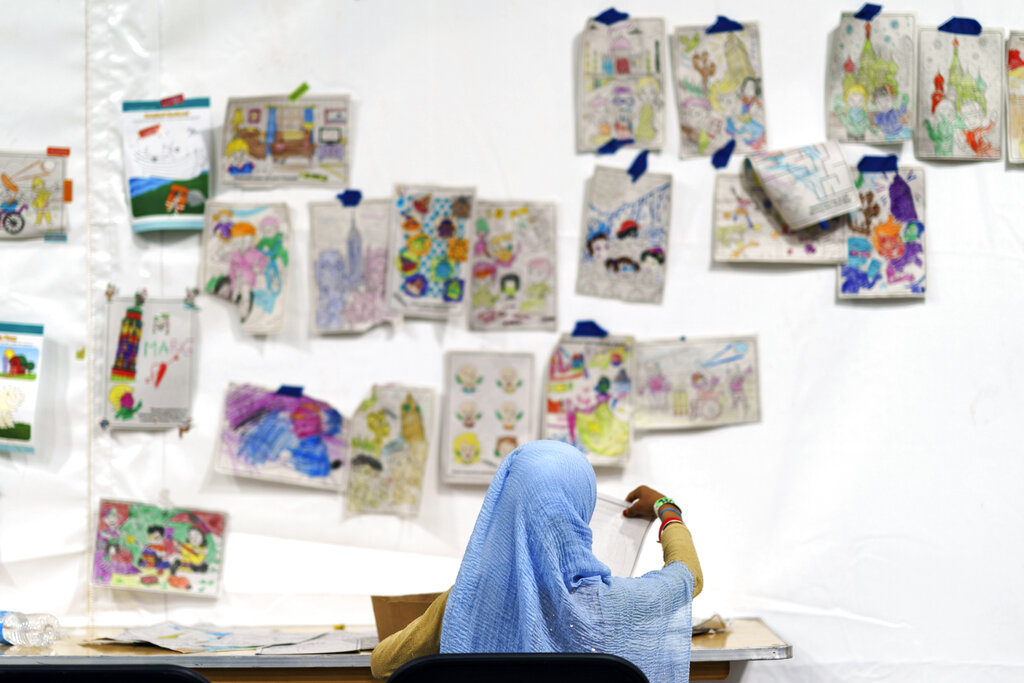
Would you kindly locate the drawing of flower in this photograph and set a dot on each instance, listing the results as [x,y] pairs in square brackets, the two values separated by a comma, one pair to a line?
[124,402]
[458,249]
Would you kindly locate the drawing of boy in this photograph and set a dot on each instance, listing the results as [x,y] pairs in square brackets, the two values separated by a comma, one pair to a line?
[598,246]
[538,275]
[239,162]
[974,128]
[623,102]
[943,126]
[887,118]
[854,117]
[41,201]
[647,90]
[156,555]
[899,254]
[861,271]
[695,114]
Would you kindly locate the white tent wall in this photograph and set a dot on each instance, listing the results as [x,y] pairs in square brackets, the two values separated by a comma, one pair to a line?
[870,517]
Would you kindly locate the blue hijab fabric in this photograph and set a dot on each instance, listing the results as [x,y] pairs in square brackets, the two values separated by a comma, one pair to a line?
[529,581]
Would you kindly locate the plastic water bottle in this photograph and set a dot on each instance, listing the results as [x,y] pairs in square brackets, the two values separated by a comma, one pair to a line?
[34,630]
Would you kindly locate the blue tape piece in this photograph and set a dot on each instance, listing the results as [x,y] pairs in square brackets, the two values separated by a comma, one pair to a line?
[724,25]
[588,328]
[613,146]
[639,166]
[611,16]
[350,197]
[720,159]
[867,12]
[294,392]
[683,338]
[962,25]
[872,164]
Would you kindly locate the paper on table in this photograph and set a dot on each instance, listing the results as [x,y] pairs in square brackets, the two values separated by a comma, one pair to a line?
[328,643]
[617,539]
[203,637]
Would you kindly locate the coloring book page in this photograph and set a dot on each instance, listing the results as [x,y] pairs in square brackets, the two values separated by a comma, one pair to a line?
[514,283]
[392,434]
[621,85]
[161,550]
[886,241]
[691,383]
[960,95]
[1015,97]
[871,78]
[718,89]
[150,345]
[806,185]
[589,397]
[625,236]
[245,261]
[32,196]
[348,265]
[490,410]
[430,238]
[282,435]
[21,365]
[166,163]
[275,142]
[745,229]
[617,539]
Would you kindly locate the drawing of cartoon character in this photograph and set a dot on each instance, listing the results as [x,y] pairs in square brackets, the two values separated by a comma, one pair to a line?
[743,126]
[622,100]
[854,116]
[467,448]
[658,386]
[156,555]
[624,266]
[239,159]
[468,414]
[192,555]
[468,378]
[705,406]
[509,415]
[648,91]
[41,201]
[502,249]
[509,284]
[651,262]
[505,445]
[861,271]
[509,380]
[271,246]
[975,126]
[598,246]
[898,254]
[538,274]
[695,114]
[737,379]
[886,116]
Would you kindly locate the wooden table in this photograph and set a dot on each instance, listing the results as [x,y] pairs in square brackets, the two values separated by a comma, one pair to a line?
[746,640]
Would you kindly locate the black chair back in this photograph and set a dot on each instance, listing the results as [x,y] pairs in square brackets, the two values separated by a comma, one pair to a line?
[519,668]
[100,673]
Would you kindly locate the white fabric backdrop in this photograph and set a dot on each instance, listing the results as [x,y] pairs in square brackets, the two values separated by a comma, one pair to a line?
[871,517]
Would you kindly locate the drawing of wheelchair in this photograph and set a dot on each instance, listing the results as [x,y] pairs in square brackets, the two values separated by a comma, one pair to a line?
[11,219]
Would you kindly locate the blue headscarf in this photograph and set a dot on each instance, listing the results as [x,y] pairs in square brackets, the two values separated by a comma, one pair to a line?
[529,581]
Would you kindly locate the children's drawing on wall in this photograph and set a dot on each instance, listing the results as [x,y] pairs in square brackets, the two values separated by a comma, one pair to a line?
[489,411]
[21,365]
[871,80]
[272,141]
[164,550]
[513,259]
[718,89]
[1015,97]
[886,255]
[32,195]
[282,435]
[430,242]
[392,434]
[245,261]
[589,397]
[349,262]
[806,185]
[166,163]
[745,228]
[620,93]
[150,347]
[960,95]
[625,236]
[697,383]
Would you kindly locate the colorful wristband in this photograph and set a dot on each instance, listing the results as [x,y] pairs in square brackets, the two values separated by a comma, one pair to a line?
[661,501]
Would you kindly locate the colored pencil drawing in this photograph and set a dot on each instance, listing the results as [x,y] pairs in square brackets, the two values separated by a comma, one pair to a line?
[149,354]
[164,550]
[621,85]
[960,95]
[718,88]
[1015,97]
[21,366]
[32,195]
[489,411]
[589,397]
[283,436]
[245,261]
[625,236]
[430,239]
[349,261]
[886,250]
[871,80]
[746,229]
[392,434]
[274,142]
[697,383]
[514,282]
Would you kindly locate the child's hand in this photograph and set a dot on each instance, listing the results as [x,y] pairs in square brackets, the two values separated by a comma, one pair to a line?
[642,499]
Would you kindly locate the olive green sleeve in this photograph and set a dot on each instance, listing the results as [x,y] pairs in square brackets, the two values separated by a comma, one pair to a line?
[421,637]
[677,546]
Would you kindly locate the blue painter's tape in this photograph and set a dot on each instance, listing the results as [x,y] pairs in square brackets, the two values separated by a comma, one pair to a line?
[294,392]
[350,197]
[867,12]
[611,16]
[639,166]
[683,338]
[962,25]
[588,328]
[613,146]
[720,159]
[724,25]
[871,164]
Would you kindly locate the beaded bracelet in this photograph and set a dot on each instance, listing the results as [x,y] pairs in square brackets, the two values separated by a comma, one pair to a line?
[666,523]
[662,501]
[670,507]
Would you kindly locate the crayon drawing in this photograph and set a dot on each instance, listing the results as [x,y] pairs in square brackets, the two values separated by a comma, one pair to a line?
[514,267]
[697,383]
[625,236]
[621,85]
[871,80]
[392,434]
[282,435]
[886,241]
[21,365]
[489,411]
[150,347]
[718,89]
[589,397]
[960,95]
[274,142]
[349,261]
[32,195]
[163,550]
[245,261]
[1015,97]
[430,239]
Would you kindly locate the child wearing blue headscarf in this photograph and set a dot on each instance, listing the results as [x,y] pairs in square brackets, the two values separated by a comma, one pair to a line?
[529,581]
